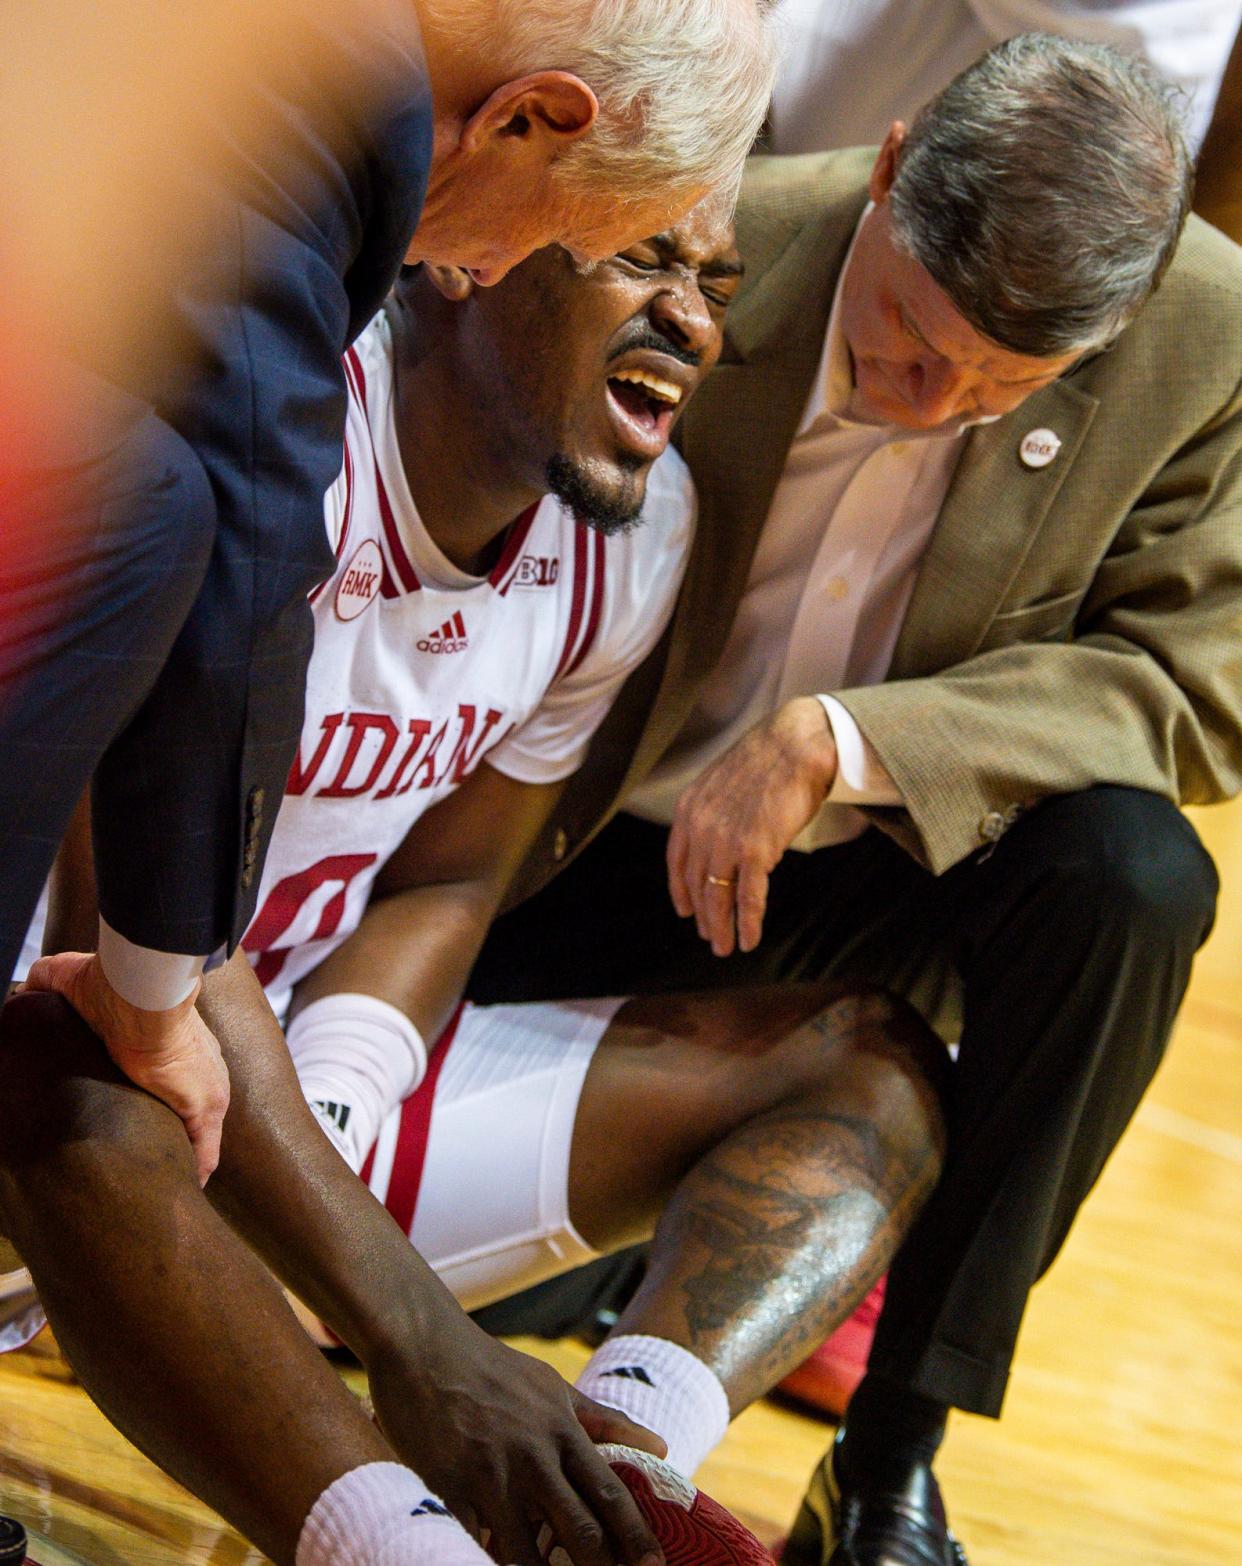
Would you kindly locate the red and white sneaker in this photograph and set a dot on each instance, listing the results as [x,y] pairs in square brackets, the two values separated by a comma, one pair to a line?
[692,1529]
[828,1380]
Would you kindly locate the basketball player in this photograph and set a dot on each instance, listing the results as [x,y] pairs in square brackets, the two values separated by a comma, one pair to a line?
[779,1142]
[462,660]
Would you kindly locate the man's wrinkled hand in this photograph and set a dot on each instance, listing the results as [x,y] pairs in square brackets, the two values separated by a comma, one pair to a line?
[735,821]
[172,1054]
[510,1446]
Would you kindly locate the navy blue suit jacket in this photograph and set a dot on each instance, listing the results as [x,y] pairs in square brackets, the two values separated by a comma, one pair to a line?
[304,210]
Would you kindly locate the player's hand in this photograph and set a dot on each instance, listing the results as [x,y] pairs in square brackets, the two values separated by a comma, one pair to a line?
[172,1054]
[737,818]
[510,1445]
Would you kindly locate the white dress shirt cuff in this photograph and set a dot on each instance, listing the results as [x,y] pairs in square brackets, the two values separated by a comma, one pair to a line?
[862,778]
[150,980]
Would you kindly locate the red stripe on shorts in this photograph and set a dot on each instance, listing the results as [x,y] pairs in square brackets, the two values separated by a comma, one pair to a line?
[411,1153]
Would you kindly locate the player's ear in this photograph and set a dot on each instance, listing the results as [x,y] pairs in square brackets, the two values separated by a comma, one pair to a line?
[548,108]
[884,170]
[453,282]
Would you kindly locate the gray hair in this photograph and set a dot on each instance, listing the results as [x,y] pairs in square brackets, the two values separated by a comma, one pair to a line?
[1045,190]
[683,85]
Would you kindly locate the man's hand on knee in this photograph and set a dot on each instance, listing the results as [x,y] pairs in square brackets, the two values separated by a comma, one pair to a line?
[171,1054]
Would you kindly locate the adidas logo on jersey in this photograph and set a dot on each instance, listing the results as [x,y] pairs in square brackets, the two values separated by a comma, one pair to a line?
[631,1373]
[450,638]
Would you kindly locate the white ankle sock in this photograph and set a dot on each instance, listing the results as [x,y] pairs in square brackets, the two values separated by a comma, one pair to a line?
[665,1387]
[384,1515]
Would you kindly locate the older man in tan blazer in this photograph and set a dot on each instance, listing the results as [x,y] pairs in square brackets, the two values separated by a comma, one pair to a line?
[961,631]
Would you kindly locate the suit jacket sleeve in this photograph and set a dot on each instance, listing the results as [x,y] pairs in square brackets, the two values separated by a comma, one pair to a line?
[1138,681]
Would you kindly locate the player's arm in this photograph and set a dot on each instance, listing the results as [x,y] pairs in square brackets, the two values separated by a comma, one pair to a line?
[364,1018]
[499,1435]
[500,1431]
[435,898]
[72,906]
[362,1022]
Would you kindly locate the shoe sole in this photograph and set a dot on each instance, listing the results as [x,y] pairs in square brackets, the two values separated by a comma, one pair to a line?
[691,1528]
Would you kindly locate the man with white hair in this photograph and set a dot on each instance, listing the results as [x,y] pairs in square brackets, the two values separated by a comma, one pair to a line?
[167,529]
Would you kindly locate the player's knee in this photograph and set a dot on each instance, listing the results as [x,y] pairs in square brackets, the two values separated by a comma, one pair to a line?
[871,1055]
[59,1089]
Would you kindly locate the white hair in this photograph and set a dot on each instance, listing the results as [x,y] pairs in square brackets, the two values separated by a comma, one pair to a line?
[683,85]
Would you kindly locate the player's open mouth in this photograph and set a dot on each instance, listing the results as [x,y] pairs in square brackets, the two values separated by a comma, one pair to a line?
[643,406]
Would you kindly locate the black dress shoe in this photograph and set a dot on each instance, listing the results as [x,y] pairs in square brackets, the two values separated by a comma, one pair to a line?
[896,1521]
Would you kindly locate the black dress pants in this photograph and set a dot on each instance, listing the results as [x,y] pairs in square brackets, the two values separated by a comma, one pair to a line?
[1068,946]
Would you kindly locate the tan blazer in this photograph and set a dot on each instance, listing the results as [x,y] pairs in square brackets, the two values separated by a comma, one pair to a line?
[1073,624]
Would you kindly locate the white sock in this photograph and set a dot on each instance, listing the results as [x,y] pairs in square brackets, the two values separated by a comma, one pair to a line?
[356,1058]
[665,1387]
[384,1515]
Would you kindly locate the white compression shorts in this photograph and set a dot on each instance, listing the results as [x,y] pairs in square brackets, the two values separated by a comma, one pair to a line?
[474,1165]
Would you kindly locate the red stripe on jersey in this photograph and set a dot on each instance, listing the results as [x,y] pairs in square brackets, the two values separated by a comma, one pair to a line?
[411,1152]
[505,568]
[597,602]
[396,549]
[345,520]
[578,599]
[349,500]
[395,556]
[353,374]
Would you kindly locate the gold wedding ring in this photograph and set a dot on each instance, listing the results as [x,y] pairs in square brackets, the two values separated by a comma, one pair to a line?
[720,880]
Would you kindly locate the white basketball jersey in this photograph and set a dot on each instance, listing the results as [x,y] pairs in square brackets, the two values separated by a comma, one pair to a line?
[420,671]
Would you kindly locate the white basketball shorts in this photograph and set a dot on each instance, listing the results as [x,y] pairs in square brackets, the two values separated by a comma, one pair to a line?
[474,1166]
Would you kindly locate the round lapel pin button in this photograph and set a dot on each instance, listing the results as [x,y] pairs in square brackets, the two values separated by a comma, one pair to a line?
[1038,448]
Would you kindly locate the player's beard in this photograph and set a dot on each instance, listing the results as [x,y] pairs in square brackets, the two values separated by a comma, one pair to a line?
[613,507]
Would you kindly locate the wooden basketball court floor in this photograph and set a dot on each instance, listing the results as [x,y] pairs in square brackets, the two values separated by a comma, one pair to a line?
[1120,1441]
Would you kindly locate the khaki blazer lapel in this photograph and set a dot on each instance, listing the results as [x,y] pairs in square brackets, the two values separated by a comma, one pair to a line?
[991,515]
[739,428]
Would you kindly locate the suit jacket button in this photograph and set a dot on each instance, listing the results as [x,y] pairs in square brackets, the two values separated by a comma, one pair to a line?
[991,826]
[560,844]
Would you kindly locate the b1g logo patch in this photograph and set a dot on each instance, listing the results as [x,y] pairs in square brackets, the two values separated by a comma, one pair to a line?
[537,571]
[361,581]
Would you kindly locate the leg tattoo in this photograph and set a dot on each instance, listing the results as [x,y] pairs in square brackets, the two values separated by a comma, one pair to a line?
[775,1235]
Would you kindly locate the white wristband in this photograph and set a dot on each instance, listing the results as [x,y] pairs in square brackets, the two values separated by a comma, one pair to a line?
[357,1058]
